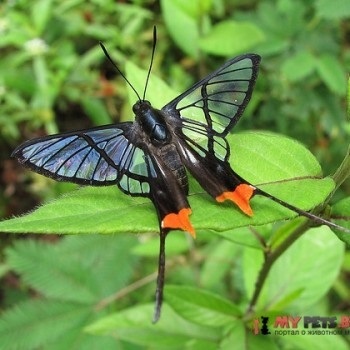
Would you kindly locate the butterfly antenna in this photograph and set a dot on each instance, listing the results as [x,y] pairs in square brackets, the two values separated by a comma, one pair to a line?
[151,63]
[119,71]
[301,212]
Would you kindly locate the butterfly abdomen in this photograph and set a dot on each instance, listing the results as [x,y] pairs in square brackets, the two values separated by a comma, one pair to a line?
[173,162]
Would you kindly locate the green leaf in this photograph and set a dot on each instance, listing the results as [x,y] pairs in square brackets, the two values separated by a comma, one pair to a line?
[157,90]
[133,325]
[333,9]
[218,262]
[244,339]
[194,8]
[96,111]
[242,236]
[41,14]
[230,38]
[88,210]
[301,276]
[75,275]
[79,340]
[32,324]
[84,277]
[332,73]
[340,213]
[297,67]
[319,342]
[200,306]
[67,276]
[260,158]
[176,244]
[182,24]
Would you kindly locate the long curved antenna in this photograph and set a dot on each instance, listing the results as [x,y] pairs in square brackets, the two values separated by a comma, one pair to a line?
[151,63]
[119,71]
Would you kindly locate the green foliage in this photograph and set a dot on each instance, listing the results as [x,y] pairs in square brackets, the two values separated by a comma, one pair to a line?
[90,292]
[332,10]
[220,40]
[285,287]
[192,21]
[202,307]
[318,253]
[49,49]
[72,278]
[305,65]
[132,325]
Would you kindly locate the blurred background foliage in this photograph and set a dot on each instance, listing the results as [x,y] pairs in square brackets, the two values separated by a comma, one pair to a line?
[54,76]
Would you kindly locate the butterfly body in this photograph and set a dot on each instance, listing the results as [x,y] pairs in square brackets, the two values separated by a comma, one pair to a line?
[157,137]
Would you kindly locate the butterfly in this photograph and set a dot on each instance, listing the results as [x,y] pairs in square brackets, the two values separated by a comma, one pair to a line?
[150,156]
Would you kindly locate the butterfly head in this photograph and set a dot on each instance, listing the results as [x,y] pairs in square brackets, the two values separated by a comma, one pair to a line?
[141,107]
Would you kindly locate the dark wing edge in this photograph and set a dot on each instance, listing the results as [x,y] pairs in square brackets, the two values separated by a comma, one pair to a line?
[218,100]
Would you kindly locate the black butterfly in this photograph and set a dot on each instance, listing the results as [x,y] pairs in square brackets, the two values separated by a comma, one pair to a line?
[149,157]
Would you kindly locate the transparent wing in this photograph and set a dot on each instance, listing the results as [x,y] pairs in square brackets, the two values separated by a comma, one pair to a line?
[203,141]
[100,156]
[219,100]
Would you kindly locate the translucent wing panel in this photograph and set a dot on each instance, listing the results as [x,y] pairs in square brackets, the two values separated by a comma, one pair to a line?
[220,99]
[204,142]
[137,172]
[74,157]
[64,157]
[132,186]
[98,157]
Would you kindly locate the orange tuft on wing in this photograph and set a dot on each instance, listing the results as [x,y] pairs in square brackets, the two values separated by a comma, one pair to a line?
[179,221]
[240,196]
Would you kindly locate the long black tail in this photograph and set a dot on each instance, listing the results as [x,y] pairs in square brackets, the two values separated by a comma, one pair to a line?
[161,276]
[301,212]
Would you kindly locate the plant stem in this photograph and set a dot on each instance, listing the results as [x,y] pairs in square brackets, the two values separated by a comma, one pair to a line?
[343,172]
[270,259]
